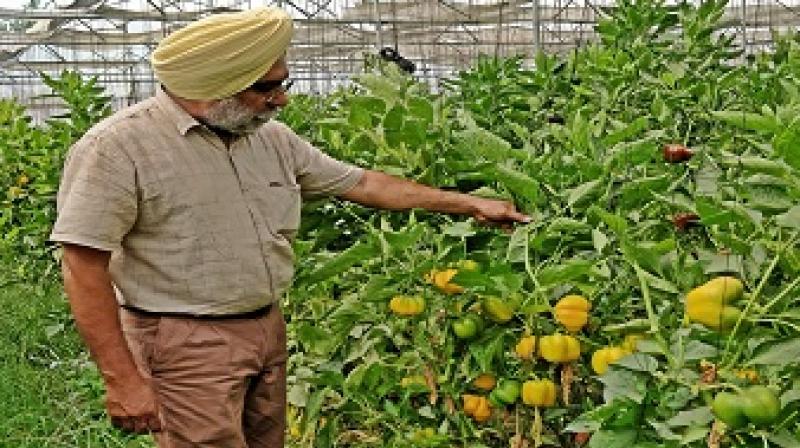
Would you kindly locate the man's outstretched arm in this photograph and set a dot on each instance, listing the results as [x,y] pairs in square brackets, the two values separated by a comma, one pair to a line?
[380,190]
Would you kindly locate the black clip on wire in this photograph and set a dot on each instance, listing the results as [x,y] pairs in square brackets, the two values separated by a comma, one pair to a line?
[391,55]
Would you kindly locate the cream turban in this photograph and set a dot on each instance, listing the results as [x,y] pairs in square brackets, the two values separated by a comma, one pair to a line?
[221,55]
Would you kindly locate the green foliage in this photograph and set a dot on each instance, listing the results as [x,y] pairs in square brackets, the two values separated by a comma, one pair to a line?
[576,142]
[31,159]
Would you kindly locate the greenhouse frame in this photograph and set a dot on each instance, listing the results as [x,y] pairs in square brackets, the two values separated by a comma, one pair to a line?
[334,39]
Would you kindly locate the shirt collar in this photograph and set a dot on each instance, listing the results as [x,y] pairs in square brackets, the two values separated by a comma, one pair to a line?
[183,121]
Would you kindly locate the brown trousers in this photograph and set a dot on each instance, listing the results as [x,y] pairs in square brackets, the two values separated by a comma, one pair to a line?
[220,383]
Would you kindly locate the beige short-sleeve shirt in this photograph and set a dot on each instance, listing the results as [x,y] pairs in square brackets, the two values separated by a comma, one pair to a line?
[193,226]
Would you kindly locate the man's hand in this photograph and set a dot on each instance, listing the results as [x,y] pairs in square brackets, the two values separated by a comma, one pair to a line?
[490,211]
[131,405]
[130,400]
[376,189]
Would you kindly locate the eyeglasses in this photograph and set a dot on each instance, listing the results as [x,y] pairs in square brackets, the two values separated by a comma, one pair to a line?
[273,87]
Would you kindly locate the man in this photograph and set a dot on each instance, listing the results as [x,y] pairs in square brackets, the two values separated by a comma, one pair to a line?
[176,216]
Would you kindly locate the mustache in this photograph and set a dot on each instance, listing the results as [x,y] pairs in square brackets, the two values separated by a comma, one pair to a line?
[231,115]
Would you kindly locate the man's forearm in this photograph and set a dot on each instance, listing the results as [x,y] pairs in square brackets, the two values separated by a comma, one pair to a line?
[381,190]
[96,312]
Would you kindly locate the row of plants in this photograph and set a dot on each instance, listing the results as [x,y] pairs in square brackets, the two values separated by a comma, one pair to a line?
[31,159]
[650,303]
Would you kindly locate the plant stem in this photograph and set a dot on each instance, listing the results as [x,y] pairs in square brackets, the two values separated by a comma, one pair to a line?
[755,295]
[651,315]
[780,296]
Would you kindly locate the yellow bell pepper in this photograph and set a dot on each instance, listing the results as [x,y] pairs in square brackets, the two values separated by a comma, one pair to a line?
[483,412]
[293,420]
[559,348]
[572,312]
[418,380]
[605,356]
[470,403]
[499,310]
[729,288]
[747,374]
[407,305]
[441,280]
[484,381]
[709,304]
[526,347]
[477,407]
[631,341]
[714,317]
[539,393]
[468,265]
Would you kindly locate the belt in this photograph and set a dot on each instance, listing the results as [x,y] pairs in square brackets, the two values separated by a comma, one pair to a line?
[259,312]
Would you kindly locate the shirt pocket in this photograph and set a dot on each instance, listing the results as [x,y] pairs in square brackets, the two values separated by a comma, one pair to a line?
[279,205]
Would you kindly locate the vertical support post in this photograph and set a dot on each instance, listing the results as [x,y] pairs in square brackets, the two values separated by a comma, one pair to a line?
[537,27]
[378,38]
[744,30]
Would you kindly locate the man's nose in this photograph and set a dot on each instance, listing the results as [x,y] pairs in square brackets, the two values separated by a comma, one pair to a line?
[279,100]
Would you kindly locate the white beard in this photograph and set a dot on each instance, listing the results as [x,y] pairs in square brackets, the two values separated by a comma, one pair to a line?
[231,115]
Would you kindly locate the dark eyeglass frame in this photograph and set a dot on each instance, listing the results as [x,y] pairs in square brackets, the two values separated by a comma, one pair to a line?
[273,87]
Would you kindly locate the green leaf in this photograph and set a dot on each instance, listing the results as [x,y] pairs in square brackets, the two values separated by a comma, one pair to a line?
[596,418]
[461,229]
[582,191]
[421,109]
[314,405]
[639,362]
[356,254]
[748,120]
[517,245]
[620,383]
[640,191]
[298,395]
[790,219]
[478,141]
[380,86]
[564,272]
[693,434]
[360,118]
[715,263]
[629,154]
[779,354]
[659,283]
[362,109]
[404,239]
[519,183]
[784,439]
[787,146]
[615,222]
[315,340]
[599,240]
[618,438]
[692,417]
[378,289]
[393,125]
[636,126]
[696,350]
[485,353]
[630,325]
[562,225]
[790,396]
[719,213]
[755,164]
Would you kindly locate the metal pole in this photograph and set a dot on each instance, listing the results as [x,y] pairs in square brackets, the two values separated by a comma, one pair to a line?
[537,24]
[744,30]
[378,40]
